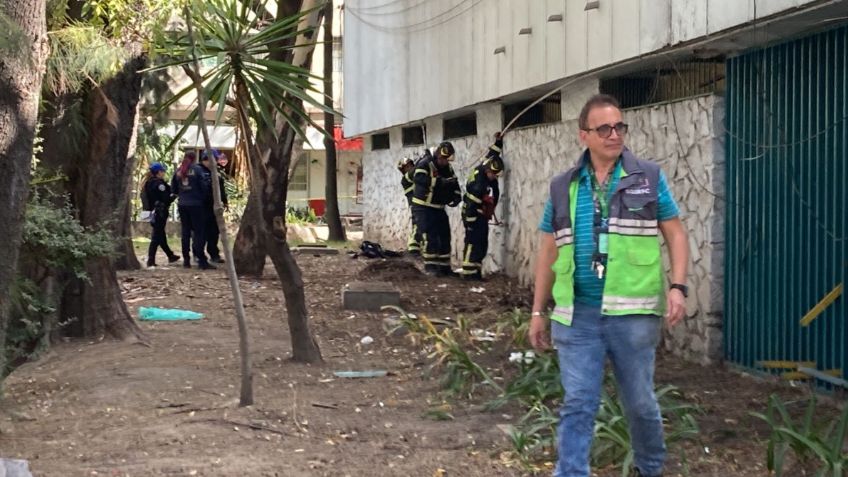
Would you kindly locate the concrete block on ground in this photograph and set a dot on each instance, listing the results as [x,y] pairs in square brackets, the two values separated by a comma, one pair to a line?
[14,468]
[369,296]
[316,250]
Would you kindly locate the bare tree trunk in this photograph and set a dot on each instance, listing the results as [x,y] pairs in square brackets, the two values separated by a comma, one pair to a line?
[274,186]
[126,259]
[100,194]
[331,193]
[20,84]
[275,153]
[249,249]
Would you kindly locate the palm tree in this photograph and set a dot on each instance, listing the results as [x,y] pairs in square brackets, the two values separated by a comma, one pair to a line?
[253,77]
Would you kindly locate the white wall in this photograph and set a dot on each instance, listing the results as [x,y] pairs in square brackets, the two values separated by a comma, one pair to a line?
[400,68]
[347,166]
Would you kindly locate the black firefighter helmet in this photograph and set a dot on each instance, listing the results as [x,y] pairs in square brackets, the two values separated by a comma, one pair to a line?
[445,150]
[495,164]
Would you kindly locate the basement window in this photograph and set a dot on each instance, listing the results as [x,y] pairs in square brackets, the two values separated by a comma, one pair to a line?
[412,136]
[675,82]
[460,126]
[380,141]
[547,111]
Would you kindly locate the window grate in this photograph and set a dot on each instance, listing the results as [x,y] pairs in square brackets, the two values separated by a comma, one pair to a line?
[380,141]
[460,126]
[412,136]
[683,80]
[547,111]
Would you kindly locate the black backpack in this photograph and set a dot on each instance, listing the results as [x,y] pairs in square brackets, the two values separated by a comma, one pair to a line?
[145,201]
[372,249]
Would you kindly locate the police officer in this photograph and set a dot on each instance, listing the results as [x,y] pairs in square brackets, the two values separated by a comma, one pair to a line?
[157,193]
[481,197]
[406,166]
[191,186]
[435,187]
[211,230]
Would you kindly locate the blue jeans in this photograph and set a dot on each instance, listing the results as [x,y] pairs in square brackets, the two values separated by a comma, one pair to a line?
[630,342]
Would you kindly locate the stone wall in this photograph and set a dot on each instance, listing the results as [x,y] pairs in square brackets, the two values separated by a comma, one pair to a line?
[683,137]
[686,139]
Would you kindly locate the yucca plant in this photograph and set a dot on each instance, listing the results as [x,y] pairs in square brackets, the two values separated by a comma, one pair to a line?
[807,439]
[534,434]
[451,348]
[538,381]
[462,373]
[612,445]
[517,323]
[229,34]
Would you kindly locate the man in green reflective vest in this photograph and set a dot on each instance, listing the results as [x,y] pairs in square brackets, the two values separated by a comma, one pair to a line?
[600,260]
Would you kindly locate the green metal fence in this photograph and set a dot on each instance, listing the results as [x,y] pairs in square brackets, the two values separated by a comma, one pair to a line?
[787,207]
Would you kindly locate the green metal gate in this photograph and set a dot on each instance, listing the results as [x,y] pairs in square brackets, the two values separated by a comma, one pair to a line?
[787,207]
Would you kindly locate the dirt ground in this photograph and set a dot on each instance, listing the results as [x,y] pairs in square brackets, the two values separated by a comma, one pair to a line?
[113,409]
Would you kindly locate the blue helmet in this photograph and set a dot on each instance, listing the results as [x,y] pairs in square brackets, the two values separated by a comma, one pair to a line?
[157,167]
[215,154]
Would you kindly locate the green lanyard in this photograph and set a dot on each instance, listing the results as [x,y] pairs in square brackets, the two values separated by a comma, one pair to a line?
[600,194]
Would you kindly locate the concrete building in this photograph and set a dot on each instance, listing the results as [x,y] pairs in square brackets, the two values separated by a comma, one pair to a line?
[418,72]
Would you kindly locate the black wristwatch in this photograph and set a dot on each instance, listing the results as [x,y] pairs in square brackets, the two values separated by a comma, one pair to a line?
[679,286]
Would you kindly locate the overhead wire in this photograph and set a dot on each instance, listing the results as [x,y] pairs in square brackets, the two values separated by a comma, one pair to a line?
[414,27]
[377,7]
[394,12]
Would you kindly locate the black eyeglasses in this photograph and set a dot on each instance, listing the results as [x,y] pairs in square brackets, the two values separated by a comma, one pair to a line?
[605,130]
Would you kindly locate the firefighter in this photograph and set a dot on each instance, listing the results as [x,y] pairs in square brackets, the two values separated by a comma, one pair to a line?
[481,197]
[435,186]
[406,166]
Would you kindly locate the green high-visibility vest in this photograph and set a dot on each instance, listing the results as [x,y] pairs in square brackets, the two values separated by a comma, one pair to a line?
[634,274]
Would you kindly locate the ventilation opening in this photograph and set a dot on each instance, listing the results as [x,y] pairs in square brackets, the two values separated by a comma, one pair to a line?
[412,136]
[547,111]
[682,80]
[460,126]
[380,141]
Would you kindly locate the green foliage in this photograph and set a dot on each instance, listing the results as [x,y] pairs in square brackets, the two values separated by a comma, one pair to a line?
[54,248]
[538,381]
[55,239]
[612,435]
[461,374]
[28,307]
[536,389]
[534,435]
[808,439]
[80,54]
[516,323]
[243,47]
[302,216]
[125,18]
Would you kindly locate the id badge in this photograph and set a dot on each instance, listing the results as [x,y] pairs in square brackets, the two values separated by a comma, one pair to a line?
[603,243]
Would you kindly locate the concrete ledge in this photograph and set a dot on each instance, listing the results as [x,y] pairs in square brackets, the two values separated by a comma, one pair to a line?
[315,250]
[369,296]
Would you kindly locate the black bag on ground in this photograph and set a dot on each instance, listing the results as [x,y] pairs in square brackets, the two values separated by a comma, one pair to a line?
[372,249]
